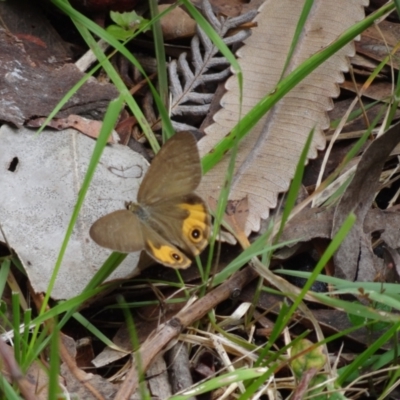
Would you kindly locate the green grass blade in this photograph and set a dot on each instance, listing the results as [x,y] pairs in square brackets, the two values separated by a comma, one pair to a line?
[96,332]
[297,33]
[216,39]
[25,334]
[7,389]
[133,335]
[161,63]
[328,254]
[109,266]
[67,306]
[357,309]
[108,124]
[296,184]
[120,85]
[221,207]
[4,271]
[342,284]
[106,129]
[16,316]
[361,359]
[36,347]
[54,365]
[240,375]
[257,248]
[397,5]
[83,25]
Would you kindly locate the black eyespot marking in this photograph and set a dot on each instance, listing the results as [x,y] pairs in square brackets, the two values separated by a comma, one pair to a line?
[177,257]
[13,164]
[196,234]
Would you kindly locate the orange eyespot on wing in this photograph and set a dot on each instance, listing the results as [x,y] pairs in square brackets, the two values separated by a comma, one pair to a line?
[196,226]
[167,255]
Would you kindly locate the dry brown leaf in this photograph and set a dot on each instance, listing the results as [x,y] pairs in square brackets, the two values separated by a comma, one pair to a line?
[235,217]
[87,126]
[378,40]
[158,381]
[177,23]
[377,91]
[354,260]
[12,373]
[267,157]
[77,382]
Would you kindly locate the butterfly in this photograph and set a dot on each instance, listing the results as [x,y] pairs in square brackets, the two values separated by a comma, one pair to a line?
[169,221]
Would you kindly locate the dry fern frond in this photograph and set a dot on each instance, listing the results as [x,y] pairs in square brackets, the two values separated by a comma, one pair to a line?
[184,81]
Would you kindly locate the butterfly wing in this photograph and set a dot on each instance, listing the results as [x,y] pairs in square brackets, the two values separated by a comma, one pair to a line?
[119,231]
[162,250]
[184,221]
[174,172]
[168,212]
[123,231]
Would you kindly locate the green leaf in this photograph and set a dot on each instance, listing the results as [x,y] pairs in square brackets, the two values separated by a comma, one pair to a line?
[238,375]
[118,32]
[373,326]
[320,382]
[126,24]
[314,358]
[128,20]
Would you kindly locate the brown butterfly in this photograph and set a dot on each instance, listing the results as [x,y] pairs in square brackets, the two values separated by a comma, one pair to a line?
[168,221]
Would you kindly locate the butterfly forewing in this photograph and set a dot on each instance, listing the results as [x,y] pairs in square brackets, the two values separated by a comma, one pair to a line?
[119,231]
[174,172]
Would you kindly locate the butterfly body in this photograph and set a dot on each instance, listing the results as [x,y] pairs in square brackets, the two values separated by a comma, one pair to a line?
[169,220]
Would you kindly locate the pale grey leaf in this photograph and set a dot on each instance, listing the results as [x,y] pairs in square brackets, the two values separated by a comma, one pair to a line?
[175,85]
[193,110]
[237,37]
[217,76]
[217,62]
[180,126]
[38,196]
[199,98]
[197,58]
[186,71]
[240,19]
[209,14]
[205,41]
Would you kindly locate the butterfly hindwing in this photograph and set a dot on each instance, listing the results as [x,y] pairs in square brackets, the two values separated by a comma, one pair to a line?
[162,250]
[120,231]
[185,221]
[197,225]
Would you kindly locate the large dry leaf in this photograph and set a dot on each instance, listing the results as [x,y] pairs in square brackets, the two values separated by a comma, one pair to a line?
[355,260]
[267,157]
[313,223]
[40,178]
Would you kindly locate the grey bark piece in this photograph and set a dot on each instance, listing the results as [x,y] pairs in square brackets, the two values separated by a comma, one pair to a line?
[38,197]
[30,90]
